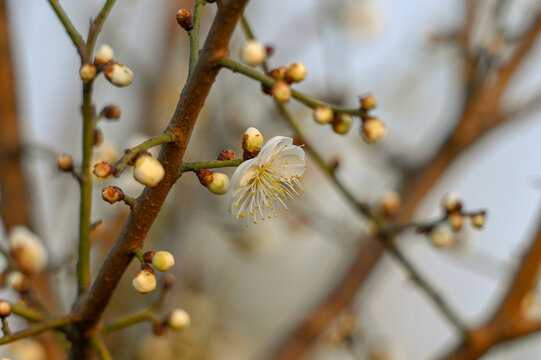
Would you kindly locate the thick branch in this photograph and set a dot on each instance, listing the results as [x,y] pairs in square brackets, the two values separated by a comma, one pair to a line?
[91,306]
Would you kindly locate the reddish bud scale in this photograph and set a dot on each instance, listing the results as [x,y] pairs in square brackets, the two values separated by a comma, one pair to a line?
[158,329]
[103,169]
[97,137]
[168,281]
[147,257]
[205,176]
[227,154]
[185,19]
[111,112]
[112,194]
[269,49]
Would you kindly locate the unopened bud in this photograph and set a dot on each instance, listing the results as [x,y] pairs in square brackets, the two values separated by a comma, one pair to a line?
[65,162]
[27,249]
[112,194]
[148,171]
[390,202]
[252,141]
[278,73]
[5,308]
[323,114]
[111,112]
[17,280]
[281,91]
[161,260]
[168,281]
[217,183]
[295,73]
[158,329]
[103,170]
[451,202]
[253,53]
[342,123]
[104,55]
[478,220]
[179,319]
[185,19]
[118,74]
[455,219]
[144,281]
[441,236]
[373,130]
[88,72]
[368,102]
[227,154]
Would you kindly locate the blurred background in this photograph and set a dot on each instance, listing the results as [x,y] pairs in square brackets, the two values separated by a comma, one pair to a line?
[247,289]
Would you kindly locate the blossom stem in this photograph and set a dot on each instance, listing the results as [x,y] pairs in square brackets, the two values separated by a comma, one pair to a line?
[194,35]
[27,313]
[309,101]
[37,329]
[74,35]
[193,166]
[96,25]
[101,348]
[130,154]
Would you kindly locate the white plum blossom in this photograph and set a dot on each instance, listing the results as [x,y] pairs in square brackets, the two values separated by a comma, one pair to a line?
[260,186]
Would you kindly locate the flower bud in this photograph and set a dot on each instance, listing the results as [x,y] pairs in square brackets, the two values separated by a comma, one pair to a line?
[104,55]
[112,194]
[185,19]
[17,280]
[179,319]
[368,102]
[111,112]
[97,137]
[227,154]
[373,130]
[103,170]
[27,249]
[252,141]
[441,236]
[390,202]
[158,329]
[65,162]
[281,91]
[88,72]
[278,73]
[220,184]
[148,171]
[342,123]
[323,114]
[478,220]
[253,53]
[168,281]
[5,309]
[144,281]
[455,219]
[451,202]
[161,260]
[118,74]
[295,73]
[217,183]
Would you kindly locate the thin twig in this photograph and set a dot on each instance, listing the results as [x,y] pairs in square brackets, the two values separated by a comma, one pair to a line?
[37,329]
[194,35]
[74,35]
[101,348]
[213,164]
[97,24]
[131,154]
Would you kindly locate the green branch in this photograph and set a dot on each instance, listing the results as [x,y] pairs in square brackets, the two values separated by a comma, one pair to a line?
[309,101]
[194,35]
[193,166]
[74,35]
[101,348]
[131,154]
[27,313]
[37,329]
[96,25]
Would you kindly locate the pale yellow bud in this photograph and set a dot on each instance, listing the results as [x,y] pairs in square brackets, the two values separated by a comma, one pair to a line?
[373,130]
[220,184]
[17,280]
[27,249]
[451,202]
[5,309]
[342,123]
[455,219]
[478,220]
[253,53]
[281,91]
[104,55]
[144,281]
[252,140]
[295,73]
[323,115]
[390,202]
[88,72]
[179,319]
[118,74]
[441,236]
[148,171]
[163,260]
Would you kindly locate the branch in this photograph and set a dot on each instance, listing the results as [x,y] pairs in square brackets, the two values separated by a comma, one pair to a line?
[194,35]
[131,154]
[193,166]
[37,329]
[97,24]
[91,306]
[101,348]
[74,35]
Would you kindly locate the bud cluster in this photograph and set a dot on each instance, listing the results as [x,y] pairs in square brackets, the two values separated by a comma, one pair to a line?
[284,76]
[185,19]
[118,74]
